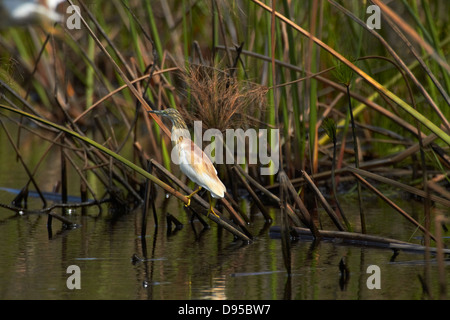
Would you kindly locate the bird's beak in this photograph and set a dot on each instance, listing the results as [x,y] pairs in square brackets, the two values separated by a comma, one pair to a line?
[158,112]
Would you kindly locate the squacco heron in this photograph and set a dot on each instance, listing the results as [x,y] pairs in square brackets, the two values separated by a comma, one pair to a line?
[25,12]
[194,163]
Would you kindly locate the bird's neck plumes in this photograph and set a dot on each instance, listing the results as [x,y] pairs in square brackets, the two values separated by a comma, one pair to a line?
[178,122]
[179,128]
[178,134]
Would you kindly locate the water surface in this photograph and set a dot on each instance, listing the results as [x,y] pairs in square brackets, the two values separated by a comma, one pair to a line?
[190,263]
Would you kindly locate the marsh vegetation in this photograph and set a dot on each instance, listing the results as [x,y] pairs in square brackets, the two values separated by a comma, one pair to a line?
[361,114]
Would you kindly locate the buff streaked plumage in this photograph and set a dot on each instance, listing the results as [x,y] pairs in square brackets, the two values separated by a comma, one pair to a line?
[194,163]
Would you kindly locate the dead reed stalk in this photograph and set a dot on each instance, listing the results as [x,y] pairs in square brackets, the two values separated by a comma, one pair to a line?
[218,99]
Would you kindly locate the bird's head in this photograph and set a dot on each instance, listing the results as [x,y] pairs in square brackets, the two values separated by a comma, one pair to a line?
[174,116]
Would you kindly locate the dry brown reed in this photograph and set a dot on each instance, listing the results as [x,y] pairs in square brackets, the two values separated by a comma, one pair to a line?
[218,99]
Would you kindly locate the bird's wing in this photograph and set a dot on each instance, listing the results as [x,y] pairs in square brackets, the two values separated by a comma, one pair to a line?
[200,169]
[196,157]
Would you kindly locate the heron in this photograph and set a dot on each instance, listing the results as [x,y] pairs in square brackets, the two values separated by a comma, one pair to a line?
[194,163]
[26,12]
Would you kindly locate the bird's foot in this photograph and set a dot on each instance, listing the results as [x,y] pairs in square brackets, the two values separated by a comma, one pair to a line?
[190,196]
[212,210]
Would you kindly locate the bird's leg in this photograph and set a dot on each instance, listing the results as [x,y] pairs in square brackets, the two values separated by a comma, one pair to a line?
[211,208]
[191,195]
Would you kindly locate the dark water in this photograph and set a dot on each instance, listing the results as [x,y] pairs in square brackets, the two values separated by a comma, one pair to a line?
[191,263]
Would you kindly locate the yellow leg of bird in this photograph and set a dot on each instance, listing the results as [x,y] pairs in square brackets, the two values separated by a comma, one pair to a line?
[211,208]
[191,195]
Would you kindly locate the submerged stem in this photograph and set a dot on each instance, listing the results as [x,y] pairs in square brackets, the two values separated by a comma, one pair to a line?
[356,148]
